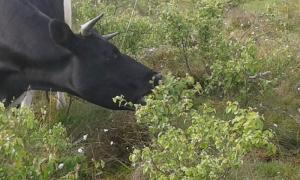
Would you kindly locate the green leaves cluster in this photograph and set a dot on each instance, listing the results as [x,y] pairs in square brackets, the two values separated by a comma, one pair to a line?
[194,141]
[204,43]
[191,37]
[31,150]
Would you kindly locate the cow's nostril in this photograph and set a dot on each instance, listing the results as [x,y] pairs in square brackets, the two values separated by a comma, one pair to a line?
[157,78]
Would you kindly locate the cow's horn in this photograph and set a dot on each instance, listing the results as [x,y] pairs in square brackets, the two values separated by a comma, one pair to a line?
[110,36]
[87,27]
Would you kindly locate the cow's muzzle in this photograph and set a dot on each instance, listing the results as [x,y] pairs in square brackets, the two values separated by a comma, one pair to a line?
[157,79]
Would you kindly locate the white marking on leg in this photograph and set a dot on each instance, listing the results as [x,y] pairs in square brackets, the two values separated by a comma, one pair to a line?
[27,101]
[18,100]
[61,100]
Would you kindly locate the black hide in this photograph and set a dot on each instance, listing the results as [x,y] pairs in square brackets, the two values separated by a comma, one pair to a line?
[39,50]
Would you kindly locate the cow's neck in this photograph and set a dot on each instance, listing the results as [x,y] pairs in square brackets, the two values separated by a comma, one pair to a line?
[55,76]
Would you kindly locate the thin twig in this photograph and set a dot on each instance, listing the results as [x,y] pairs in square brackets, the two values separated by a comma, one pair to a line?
[260,75]
[129,23]
[185,56]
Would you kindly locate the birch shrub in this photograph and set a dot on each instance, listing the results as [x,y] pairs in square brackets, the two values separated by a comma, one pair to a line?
[31,150]
[192,140]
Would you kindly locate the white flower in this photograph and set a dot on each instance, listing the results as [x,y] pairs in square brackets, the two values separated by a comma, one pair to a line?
[151,50]
[298,88]
[61,165]
[81,150]
[275,125]
[111,143]
[105,130]
[85,137]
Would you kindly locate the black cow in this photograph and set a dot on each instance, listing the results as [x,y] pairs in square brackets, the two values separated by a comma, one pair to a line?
[38,50]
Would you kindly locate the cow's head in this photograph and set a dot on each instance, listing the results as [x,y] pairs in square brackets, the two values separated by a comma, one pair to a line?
[99,70]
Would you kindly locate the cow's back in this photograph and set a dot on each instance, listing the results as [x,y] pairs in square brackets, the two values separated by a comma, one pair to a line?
[24,28]
[52,8]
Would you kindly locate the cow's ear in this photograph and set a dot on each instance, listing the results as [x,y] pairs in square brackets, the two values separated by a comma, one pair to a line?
[60,32]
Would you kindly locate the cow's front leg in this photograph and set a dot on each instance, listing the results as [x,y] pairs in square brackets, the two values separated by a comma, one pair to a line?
[61,101]
[27,99]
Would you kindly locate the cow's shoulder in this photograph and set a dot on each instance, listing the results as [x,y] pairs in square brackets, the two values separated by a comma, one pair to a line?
[52,8]
[24,29]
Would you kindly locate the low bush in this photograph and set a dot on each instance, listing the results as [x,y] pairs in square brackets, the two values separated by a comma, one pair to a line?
[191,140]
[30,149]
